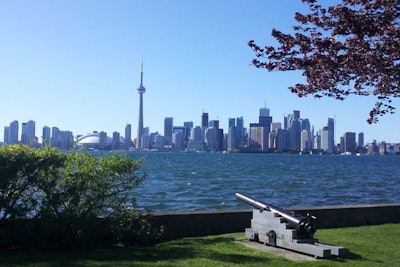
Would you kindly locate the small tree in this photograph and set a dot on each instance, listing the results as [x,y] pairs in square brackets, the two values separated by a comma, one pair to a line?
[348,48]
[72,194]
[21,167]
[89,187]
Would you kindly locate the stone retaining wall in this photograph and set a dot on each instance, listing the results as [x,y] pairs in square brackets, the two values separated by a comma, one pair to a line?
[201,223]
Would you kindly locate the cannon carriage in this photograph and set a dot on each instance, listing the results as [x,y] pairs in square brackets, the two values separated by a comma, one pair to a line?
[279,227]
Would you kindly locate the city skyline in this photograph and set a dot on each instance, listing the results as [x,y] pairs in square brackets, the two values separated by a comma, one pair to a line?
[74,65]
[204,120]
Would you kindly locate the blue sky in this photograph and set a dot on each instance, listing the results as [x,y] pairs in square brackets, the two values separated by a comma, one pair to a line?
[76,65]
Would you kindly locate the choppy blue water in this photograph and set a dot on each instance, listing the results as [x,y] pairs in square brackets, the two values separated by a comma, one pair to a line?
[209,181]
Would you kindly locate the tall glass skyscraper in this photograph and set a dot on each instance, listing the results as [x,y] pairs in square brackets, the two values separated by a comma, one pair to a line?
[168,130]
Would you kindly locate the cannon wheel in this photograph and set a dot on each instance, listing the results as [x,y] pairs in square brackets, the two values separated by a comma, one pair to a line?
[272,238]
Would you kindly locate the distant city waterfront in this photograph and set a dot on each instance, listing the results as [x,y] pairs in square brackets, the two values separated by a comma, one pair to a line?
[209,181]
[296,135]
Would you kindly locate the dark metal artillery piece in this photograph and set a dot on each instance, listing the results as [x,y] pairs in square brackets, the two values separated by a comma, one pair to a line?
[282,228]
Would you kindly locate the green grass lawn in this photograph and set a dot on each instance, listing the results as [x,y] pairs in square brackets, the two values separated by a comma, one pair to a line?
[367,246]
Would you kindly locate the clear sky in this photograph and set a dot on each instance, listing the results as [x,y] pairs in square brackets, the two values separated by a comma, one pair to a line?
[76,65]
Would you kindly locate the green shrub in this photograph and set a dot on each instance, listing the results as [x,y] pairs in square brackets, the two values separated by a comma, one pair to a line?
[78,198]
[21,170]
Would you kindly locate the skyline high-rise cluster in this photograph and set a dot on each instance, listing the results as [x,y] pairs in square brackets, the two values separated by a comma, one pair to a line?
[296,135]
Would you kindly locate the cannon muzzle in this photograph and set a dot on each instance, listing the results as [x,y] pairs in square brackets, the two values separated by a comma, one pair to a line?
[303,225]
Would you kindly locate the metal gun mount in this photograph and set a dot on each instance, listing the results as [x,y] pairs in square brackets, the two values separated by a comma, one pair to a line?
[278,227]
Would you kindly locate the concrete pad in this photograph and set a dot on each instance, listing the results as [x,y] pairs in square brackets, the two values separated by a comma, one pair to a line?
[288,254]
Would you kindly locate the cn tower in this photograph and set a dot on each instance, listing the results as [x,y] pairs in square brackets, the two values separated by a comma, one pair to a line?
[141,91]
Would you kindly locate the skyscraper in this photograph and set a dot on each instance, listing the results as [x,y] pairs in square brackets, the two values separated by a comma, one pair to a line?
[14,132]
[128,136]
[349,142]
[294,128]
[360,139]
[168,130]
[46,135]
[331,129]
[204,119]
[141,91]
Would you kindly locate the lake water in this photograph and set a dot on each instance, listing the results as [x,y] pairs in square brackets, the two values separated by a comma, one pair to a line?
[209,181]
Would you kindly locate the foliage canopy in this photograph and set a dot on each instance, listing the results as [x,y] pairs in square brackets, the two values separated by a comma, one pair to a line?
[352,47]
[70,190]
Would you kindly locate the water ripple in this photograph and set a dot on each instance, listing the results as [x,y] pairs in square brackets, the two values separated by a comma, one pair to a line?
[206,181]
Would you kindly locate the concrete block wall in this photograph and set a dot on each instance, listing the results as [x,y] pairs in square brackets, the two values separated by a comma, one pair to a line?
[201,223]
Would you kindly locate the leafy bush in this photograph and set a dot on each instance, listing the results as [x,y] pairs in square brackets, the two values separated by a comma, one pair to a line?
[75,196]
[21,170]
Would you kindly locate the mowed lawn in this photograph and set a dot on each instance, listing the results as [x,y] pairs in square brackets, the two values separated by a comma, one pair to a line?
[367,246]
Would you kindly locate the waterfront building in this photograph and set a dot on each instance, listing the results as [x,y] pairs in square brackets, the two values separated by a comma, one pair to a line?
[282,140]
[28,133]
[188,126]
[116,140]
[146,141]
[275,126]
[103,140]
[128,136]
[180,129]
[159,142]
[92,141]
[6,138]
[195,140]
[272,139]
[141,90]
[305,125]
[232,139]
[349,142]
[258,141]
[232,142]
[331,135]
[55,137]
[294,129]
[272,134]
[372,148]
[14,128]
[66,140]
[219,134]
[240,133]
[361,139]
[383,148]
[24,133]
[168,130]
[211,138]
[31,132]
[305,135]
[195,134]
[305,140]
[325,139]
[317,141]
[178,141]
[146,131]
[46,135]
[204,119]
[264,112]
[264,120]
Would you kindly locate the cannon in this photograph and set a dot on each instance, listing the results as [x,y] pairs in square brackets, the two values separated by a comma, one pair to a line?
[279,227]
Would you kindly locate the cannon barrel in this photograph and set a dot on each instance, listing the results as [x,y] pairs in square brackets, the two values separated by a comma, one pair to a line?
[303,225]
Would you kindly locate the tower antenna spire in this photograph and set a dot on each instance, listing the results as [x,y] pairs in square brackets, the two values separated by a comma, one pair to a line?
[141,73]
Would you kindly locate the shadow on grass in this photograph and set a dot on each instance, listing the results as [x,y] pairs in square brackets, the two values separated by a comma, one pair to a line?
[215,249]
